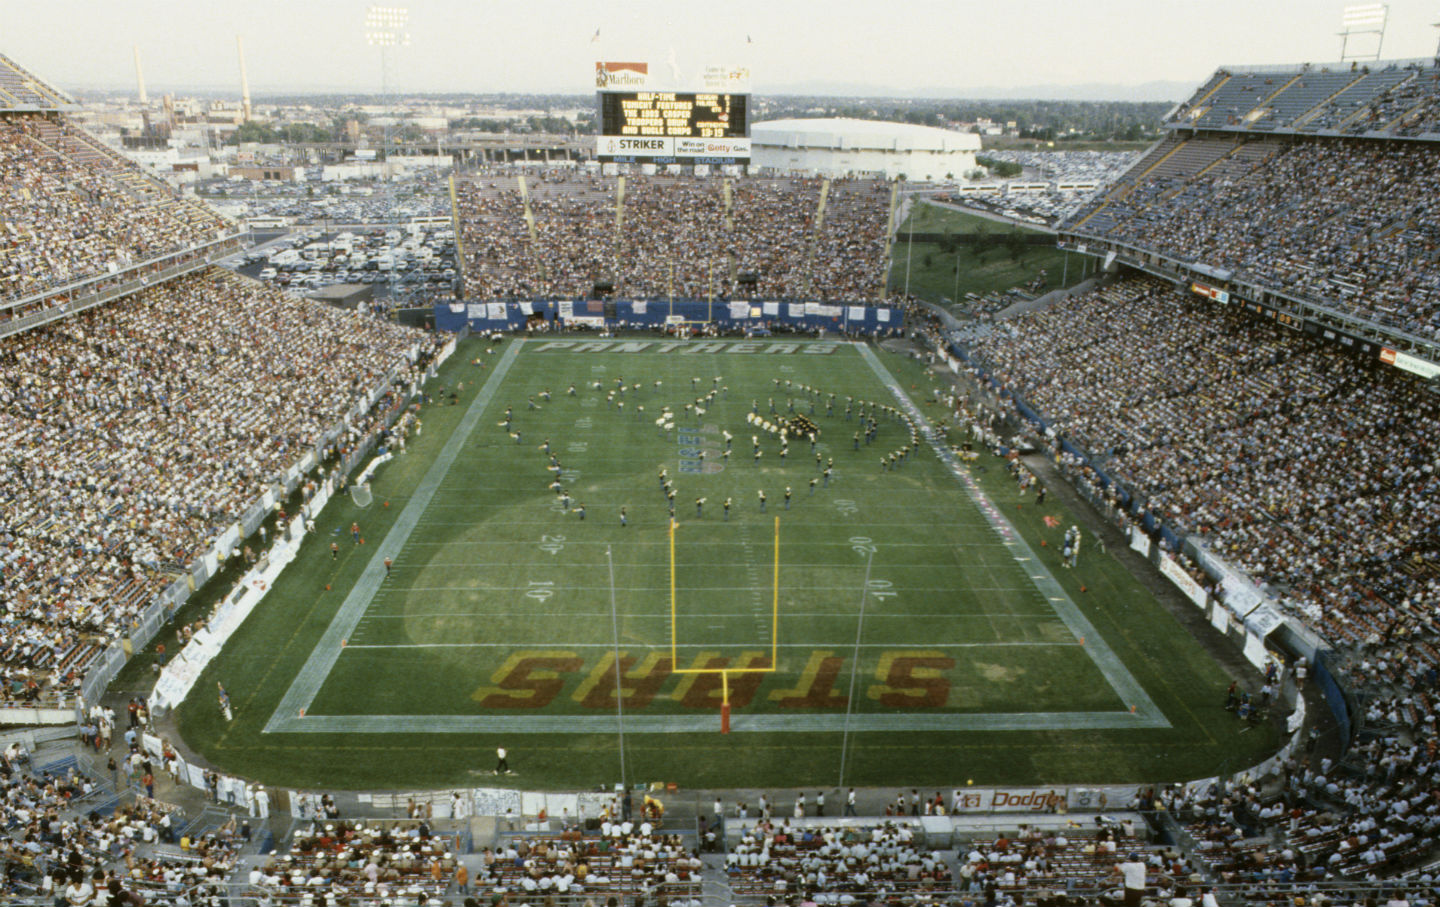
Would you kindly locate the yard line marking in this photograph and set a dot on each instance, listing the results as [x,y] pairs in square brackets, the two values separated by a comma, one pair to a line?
[709,721]
[730,588]
[550,642]
[322,658]
[736,518]
[601,543]
[491,613]
[581,565]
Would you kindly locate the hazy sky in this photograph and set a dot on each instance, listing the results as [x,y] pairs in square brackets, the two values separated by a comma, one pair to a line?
[546,45]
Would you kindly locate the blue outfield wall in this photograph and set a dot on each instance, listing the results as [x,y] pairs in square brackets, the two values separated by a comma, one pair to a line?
[645,314]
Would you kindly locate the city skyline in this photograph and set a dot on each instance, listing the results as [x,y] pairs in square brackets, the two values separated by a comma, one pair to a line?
[933,49]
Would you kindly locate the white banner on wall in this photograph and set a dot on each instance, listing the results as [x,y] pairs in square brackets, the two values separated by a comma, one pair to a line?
[1172,569]
[1139,540]
[1219,617]
[638,306]
[497,311]
[1263,620]
[1255,649]
[739,310]
[179,676]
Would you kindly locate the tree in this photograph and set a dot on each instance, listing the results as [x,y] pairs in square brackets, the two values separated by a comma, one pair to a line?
[1015,244]
[1002,169]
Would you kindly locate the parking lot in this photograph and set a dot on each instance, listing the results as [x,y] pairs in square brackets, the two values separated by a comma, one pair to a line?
[413,261]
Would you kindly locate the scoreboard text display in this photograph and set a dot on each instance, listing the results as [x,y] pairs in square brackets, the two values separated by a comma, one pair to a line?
[672,115]
[665,127]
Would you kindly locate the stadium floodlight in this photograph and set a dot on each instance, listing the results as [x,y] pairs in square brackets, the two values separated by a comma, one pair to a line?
[1368,19]
[385,26]
[1371,15]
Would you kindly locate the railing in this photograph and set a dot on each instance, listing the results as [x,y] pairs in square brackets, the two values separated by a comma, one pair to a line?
[93,291]
[1231,894]
[1336,66]
[1181,272]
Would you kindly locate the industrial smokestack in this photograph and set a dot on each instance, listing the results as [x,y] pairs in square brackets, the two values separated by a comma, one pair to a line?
[140,78]
[244,81]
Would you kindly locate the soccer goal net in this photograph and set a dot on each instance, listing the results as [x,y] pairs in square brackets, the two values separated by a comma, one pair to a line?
[360,494]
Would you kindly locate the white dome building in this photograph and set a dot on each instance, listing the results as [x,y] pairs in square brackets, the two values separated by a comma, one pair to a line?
[861,148]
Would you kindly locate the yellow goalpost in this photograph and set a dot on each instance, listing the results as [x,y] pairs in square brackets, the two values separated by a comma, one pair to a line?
[726,672]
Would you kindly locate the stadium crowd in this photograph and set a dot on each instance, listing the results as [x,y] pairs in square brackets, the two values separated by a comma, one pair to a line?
[1311,470]
[673,234]
[376,860]
[68,841]
[135,434]
[1308,469]
[1347,223]
[774,858]
[1398,99]
[1369,817]
[626,858]
[73,209]
[1409,109]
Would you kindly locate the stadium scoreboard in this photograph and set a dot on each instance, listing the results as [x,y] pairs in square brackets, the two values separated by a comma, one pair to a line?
[673,114]
[668,127]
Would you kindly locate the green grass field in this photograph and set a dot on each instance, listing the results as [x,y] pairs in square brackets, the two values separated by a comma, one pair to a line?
[978,656]
[933,271]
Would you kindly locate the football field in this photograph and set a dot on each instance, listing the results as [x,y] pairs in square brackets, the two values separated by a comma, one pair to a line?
[602,562]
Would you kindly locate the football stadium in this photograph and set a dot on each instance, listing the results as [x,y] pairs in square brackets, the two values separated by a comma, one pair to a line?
[670,549]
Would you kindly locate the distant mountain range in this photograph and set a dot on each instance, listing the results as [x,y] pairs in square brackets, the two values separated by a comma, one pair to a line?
[1088,91]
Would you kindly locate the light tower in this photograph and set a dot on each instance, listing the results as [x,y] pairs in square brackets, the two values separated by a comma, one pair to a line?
[143,98]
[244,81]
[385,28]
[1363,20]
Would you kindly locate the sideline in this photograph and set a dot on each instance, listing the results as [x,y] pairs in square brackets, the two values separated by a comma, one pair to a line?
[327,651]
[1146,713]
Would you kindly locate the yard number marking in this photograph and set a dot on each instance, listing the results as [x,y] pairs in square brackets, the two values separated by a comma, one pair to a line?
[882,589]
